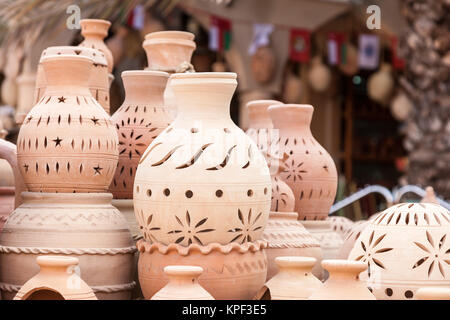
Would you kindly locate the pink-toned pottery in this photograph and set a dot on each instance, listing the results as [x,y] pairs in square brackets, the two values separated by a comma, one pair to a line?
[406,247]
[430,196]
[340,224]
[57,280]
[433,293]
[231,272]
[94,31]
[139,120]
[343,283]
[183,284]
[67,142]
[308,168]
[350,237]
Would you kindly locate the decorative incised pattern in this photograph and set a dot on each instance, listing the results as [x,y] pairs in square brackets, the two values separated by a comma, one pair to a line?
[78,251]
[68,142]
[247,228]
[373,251]
[103,289]
[436,254]
[137,127]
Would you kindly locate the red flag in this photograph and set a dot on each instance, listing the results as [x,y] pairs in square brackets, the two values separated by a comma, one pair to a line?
[397,62]
[219,34]
[300,45]
[335,48]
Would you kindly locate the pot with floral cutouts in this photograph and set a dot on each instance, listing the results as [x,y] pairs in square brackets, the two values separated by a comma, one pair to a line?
[67,142]
[202,180]
[98,82]
[340,224]
[407,247]
[169,51]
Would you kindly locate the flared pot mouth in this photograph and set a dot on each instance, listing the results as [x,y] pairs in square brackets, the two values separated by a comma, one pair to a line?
[263,104]
[76,198]
[291,106]
[344,266]
[95,55]
[170,34]
[65,58]
[56,261]
[187,271]
[295,262]
[144,73]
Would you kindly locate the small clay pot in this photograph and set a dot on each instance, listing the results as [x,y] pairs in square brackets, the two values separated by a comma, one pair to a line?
[56,280]
[294,280]
[343,283]
[183,284]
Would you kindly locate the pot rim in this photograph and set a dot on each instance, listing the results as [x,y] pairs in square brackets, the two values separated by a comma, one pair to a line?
[56,261]
[204,75]
[131,73]
[172,34]
[262,103]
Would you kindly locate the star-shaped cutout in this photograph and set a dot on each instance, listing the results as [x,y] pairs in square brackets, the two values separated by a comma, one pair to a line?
[95,120]
[98,169]
[61,99]
[26,167]
[57,141]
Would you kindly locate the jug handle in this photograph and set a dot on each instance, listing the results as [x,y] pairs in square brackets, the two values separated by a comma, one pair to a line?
[8,151]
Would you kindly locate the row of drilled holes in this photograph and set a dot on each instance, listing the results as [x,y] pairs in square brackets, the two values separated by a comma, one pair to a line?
[22,144]
[190,194]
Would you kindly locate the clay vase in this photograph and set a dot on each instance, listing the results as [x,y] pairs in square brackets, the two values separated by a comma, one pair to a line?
[68,224]
[406,247]
[67,142]
[340,225]
[343,283]
[202,180]
[183,284]
[169,51]
[433,293]
[286,236]
[140,119]
[294,280]
[56,280]
[25,94]
[350,237]
[231,272]
[94,31]
[98,82]
[309,170]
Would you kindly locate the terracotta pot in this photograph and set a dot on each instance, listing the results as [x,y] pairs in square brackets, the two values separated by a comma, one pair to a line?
[229,199]
[6,204]
[139,120]
[433,293]
[231,272]
[294,88]
[56,280]
[343,283]
[82,225]
[430,196]
[286,236]
[350,237]
[294,280]
[406,247]
[169,51]
[340,225]
[94,31]
[25,95]
[309,170]
[183,284]
[67,142]
[98,82]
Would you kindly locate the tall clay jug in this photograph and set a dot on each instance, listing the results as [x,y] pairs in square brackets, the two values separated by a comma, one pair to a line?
[94,31]
[309,169]
[202,180]
[67,142]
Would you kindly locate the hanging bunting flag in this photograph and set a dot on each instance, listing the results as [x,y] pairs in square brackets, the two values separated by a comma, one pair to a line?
[369,51]
[397,62]
[219,34]
[261,34]
[300,45]
[136,17]
[336,49]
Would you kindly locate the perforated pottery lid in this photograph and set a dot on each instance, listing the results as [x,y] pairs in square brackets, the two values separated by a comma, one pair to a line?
[96,55]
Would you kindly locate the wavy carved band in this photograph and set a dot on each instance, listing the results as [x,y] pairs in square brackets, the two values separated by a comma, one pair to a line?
[79,251]
[104,289]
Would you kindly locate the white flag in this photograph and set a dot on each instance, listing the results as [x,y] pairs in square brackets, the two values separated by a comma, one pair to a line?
[214,38]
[369,51]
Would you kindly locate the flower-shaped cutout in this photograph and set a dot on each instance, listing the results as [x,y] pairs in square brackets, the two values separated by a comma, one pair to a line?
[294,171]
[188,232]
[437,254]
[372,250]
[146,227]
[245,232]
[131,144]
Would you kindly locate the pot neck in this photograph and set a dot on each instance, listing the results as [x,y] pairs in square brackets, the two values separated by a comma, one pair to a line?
[295,265]
[344,269]
[67,74]
[144,87]
[292,117]
[184,275]
[258,115]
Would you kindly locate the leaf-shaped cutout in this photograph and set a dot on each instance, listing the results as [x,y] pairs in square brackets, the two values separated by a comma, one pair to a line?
[430,239]
[421,246]
[148,152]
[179,221]
[235,230]
[224,162]
[442,241]
[166,157]
[188,218]
[174,232]
[236,238]
[257,228]
[201,222]
[198,240]
[430,269]
[249,217]
[359,258]
[441,269]
[179,240]
[154,228]
[241,217]
[257,217]
[149,219]
[420,262]
[371,237]
[384,250]
[378,263]
[363,246]
[205,230]
[194,157]
[379,240]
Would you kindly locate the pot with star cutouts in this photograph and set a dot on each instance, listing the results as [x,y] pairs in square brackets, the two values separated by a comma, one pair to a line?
[94,31]
[407,247]
[202,180]
[308,168]
[67,142]
[98,82]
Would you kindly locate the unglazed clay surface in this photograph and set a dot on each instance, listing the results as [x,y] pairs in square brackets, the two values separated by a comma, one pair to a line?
[67,142]
[202,180]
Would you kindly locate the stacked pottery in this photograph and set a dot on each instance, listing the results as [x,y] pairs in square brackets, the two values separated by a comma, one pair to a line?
[169,51]
[202,194]
[406,247]
[285,235]
[67,153]
[309,171]
[56,280]
[98,79]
